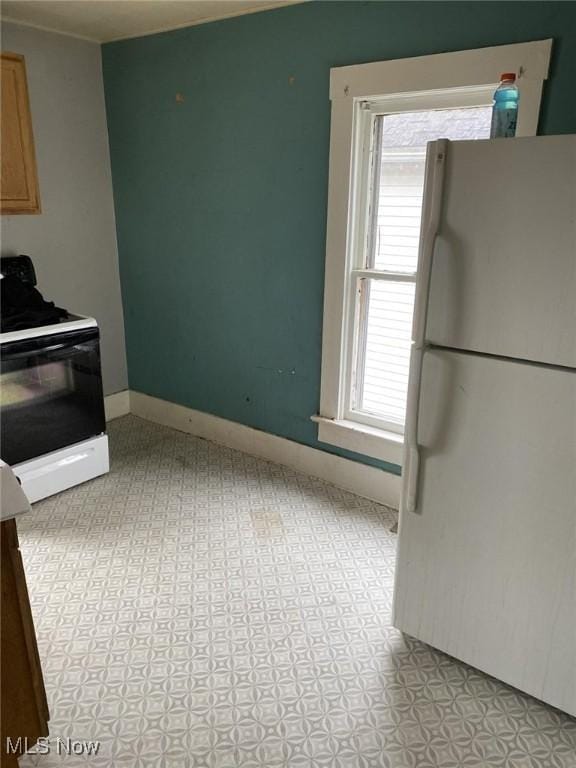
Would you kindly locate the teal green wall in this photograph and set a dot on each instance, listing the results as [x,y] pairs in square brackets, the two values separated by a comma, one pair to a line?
[221,200]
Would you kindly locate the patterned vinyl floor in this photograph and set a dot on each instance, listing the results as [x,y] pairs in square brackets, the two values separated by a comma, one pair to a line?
[199,608]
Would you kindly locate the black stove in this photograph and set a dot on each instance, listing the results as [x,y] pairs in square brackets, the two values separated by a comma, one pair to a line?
[52,421]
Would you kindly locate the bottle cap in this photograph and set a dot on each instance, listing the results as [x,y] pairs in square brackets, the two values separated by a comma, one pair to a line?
[508,76]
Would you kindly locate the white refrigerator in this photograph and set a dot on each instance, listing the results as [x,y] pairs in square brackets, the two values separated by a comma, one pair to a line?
[486,568]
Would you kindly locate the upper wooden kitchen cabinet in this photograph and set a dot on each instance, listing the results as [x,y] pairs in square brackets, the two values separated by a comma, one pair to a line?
[19,181]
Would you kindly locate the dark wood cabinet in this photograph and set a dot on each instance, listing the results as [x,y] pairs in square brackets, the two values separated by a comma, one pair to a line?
[24,711]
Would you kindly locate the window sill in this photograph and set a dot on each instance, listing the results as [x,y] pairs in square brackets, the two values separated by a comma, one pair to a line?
[369,441]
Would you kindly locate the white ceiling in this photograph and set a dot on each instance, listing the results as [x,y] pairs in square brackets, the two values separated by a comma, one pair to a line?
[106,20]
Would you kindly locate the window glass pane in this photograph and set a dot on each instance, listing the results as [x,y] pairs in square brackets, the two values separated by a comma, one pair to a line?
[400,177]
[383,349]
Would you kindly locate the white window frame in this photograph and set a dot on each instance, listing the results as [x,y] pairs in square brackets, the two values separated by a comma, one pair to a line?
[446,79]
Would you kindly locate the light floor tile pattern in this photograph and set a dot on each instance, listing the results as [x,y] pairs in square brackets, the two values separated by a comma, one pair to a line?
[200,608]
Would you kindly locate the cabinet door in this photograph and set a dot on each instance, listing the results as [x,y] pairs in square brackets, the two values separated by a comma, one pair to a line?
[19,182]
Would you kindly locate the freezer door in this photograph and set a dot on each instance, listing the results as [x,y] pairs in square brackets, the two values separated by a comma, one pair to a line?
[486,566]
[504,271]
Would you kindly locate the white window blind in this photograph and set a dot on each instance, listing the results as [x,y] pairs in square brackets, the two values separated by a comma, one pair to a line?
[386,301]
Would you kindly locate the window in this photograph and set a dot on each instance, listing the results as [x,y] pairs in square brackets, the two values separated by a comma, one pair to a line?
[383,115]
[382,269]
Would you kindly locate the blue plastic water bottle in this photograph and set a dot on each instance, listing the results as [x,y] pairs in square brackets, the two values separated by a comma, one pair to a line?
[505,109]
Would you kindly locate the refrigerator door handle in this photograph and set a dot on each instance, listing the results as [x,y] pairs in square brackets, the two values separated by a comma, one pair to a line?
[411,464]
[433,189]
[432,208]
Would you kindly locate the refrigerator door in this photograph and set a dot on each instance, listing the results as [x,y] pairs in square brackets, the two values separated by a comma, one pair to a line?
[504,271]
[486,567]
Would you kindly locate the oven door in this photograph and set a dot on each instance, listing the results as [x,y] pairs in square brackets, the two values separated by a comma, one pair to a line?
[50,394]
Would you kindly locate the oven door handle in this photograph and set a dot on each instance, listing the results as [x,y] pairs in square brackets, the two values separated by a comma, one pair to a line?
[45,352]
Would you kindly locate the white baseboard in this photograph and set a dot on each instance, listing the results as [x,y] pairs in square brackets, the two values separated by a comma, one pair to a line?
[363,480]
[117,404]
